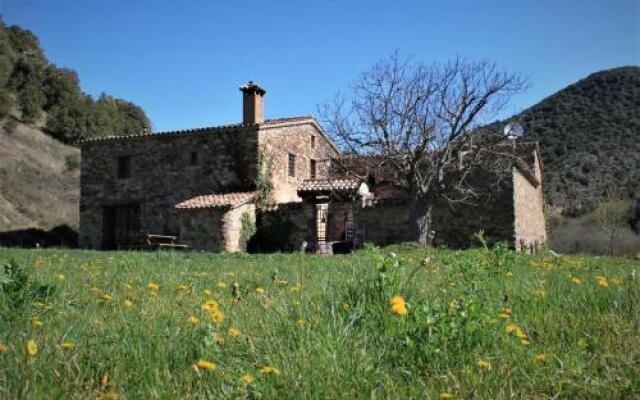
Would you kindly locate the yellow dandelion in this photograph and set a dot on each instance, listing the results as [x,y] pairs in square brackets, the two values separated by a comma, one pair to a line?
[128,302]
[128,286]
[603,281]
[217,316]
[106,297]
[193,320]
[504,316]
[233,332]
[484,364]
[35,322]
[67,345]
[260,290]
[207,292]
[104,379]
[247,378]
[60,277]
[398,305]
[446,395]
[512,328]
[153,287]
[32,348]
[520,333]
[509,274]
[301,322]
[206,365]
[524,342]
[184,288]
[210,305]
[222,285]
[268,369]
[541,358]
[3,347]
[575,280]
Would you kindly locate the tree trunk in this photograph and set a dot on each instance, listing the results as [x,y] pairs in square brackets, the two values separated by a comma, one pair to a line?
[420,219]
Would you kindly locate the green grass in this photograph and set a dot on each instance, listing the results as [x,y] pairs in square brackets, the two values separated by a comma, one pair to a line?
[325,323]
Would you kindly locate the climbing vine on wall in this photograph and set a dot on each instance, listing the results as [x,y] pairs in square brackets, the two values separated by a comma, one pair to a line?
[264,184]
[247,229]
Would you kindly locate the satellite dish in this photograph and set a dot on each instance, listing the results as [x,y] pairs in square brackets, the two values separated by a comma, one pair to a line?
[513,130]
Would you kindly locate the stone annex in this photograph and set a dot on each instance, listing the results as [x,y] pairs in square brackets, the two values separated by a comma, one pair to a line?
[278,185]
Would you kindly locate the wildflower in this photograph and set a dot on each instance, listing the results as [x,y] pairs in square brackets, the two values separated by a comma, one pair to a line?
[128,286]
[35,322]
[184,288]
[247,378]
[398,305]
[3,347]
[446,395]
[104,380]
[520,333]
[260,290]
[582,343]
[67,345]
[32,348]
[511,328]
[524,342]
[207,365]
[575,280]
[214,311]
[222,285]
[153,287]
[541,358]
[207,292]
[268,369]
[301,322]
[105,297]
[509,274]
[233,332]
[193,320]
[616,281]
[281,282]
[603,281]
[60,277]
[484,364]
[128,302]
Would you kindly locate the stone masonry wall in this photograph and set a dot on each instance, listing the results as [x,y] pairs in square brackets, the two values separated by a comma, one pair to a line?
[202,229]
[383,224]
[161,175]
[278,141]
[530,223]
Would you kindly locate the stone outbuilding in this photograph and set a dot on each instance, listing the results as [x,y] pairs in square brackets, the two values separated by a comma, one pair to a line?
[273,185]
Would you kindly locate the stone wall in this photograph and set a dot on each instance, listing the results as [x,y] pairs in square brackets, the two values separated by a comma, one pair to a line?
[528,200]
[278,141]
[162,174]
[383,224]
[201,229]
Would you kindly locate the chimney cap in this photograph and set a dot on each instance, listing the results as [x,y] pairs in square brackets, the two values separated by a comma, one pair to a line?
[252,87]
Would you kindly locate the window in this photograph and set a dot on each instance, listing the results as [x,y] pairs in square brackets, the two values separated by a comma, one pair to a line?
[194,158]
[313,141]
[124,167]
[292,165]
[312,169]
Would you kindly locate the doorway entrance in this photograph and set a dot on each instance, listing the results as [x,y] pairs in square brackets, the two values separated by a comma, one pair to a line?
[121,226]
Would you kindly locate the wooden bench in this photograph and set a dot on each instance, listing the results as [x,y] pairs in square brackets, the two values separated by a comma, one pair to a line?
[164,242]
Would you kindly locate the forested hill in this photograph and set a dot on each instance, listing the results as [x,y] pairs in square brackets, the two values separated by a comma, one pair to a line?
[589,135]
[35,91]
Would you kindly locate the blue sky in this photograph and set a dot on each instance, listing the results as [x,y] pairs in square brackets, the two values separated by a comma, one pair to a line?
[182,61]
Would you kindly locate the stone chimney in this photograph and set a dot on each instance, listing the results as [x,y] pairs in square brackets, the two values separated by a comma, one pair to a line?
[252,103]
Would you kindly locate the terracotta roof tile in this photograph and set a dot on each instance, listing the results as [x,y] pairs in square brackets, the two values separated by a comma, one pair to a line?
[329,185]
[218,200]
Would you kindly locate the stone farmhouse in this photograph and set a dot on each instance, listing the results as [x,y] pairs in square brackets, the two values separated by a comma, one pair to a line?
[278,185]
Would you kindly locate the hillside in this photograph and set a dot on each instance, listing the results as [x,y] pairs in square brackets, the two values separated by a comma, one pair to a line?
[39,180]
[589,135]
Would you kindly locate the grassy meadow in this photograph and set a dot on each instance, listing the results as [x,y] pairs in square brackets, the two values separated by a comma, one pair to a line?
[399,322]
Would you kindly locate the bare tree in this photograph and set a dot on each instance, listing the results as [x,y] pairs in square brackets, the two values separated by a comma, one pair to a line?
[614,215]
[420,120]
